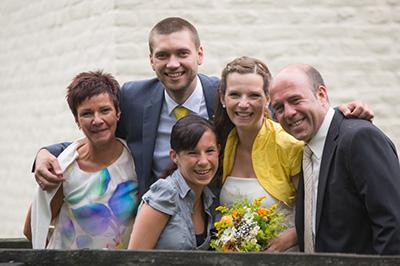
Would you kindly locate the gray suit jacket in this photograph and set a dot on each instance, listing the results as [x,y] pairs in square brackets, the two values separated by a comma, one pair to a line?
[358,192]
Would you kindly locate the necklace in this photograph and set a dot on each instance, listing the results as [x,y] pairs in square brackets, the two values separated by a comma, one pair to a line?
[195,204]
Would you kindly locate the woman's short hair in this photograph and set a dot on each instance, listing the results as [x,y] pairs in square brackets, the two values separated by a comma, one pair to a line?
[88,84]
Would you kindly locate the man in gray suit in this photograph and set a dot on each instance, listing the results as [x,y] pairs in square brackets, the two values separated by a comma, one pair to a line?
[147,106]
[353,195]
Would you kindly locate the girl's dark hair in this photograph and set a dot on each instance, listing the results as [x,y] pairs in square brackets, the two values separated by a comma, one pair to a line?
[185,135]
[89,84]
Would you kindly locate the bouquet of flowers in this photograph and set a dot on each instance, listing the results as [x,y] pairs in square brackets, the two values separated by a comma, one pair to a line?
[247,227]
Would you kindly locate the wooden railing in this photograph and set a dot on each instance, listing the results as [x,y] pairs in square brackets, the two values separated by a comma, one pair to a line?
[18,252]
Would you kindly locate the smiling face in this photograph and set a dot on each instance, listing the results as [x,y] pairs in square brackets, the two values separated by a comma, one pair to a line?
[245,100]
[198,165]
[98,119]
[175,60]
[298,109]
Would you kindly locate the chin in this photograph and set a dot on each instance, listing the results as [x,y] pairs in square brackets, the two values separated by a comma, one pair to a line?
[103,141]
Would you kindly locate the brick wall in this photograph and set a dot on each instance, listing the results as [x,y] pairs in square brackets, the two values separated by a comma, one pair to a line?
[44,44]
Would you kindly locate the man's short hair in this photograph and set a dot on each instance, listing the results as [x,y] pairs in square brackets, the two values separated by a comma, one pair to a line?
[171,25]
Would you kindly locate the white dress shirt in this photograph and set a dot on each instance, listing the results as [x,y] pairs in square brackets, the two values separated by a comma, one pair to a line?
[196,104]
[316,144]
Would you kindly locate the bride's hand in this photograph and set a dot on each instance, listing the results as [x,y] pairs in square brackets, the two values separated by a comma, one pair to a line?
[283,242]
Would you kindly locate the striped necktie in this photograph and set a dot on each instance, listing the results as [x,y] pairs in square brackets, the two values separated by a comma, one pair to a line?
[308,200]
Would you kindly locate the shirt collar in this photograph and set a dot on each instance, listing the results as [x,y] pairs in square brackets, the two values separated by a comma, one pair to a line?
[182,186]
[192,103]
[317,143]
[184,190]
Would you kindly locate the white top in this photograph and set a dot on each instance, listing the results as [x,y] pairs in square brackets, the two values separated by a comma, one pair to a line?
[98,209]
[238,189]
[196,104]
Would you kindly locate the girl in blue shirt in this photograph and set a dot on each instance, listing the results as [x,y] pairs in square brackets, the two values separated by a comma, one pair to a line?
[177,212]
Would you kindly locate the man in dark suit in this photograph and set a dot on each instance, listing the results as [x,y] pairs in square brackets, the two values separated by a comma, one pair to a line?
[354,186]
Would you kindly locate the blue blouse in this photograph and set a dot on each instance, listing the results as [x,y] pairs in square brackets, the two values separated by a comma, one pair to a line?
[174,197]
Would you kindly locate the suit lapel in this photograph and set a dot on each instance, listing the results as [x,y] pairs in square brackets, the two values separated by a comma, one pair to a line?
[210,94]
[151,118]
[326,161]
[299,221]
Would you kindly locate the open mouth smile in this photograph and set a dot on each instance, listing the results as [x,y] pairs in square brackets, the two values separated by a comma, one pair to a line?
[175,75]
[99,131]
[244,114]
[296,123]
[202,172]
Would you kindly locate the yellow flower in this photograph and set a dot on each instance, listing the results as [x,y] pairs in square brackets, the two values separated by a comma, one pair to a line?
[260,198]
[222,209]
[227,219]
[257,201]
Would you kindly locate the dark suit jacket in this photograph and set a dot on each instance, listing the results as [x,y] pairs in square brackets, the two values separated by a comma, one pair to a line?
[141,103]
[358,203]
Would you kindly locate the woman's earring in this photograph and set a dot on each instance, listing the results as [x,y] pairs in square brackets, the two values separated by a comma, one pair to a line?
[223,106]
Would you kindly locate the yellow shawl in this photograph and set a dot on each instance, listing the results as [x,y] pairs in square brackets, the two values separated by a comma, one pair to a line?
[276,157]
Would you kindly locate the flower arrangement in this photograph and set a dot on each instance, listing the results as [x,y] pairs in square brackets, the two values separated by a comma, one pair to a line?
[247,227]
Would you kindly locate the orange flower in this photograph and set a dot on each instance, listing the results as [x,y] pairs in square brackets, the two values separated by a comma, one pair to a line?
[229,246]
[262,212]
[235,214]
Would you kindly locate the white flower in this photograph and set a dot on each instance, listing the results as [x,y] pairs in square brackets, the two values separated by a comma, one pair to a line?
[228,234]
[255,230]
[225,239]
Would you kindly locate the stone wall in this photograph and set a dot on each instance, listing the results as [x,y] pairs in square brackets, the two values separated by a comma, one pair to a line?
[44,44]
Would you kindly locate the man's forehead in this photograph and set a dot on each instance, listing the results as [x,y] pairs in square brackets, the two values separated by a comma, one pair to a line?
[166,41]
